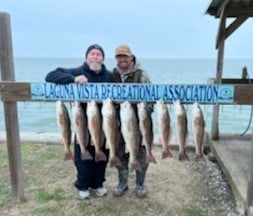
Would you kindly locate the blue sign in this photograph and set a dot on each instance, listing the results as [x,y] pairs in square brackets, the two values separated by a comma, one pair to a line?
[134,92]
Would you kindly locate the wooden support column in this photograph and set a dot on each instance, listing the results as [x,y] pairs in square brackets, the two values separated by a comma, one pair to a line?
[220,41]
[10,111]
[250,183]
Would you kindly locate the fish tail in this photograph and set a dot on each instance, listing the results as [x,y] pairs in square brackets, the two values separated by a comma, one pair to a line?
[151,158]
[166,154]
[68,155]
[135,166]
[200,157]
[183,156]
[115,162]
[85,155]
[100,156]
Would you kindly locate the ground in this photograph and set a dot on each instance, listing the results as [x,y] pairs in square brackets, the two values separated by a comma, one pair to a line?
[175,188]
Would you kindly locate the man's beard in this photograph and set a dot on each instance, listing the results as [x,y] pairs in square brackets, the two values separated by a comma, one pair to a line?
[95,66]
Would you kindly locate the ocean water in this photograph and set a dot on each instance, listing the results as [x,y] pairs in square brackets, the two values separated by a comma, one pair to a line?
[41,116]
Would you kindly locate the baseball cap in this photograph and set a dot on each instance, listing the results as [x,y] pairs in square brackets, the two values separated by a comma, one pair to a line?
[123,50]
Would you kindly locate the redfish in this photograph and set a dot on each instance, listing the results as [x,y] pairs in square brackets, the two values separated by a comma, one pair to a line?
[64,125]
[145,125]
[111,130]
[198,127]
[95,129]
[80,124]
[130,132]
[182,131]
[164,127]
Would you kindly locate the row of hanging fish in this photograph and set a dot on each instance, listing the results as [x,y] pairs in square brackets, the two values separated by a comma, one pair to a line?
[106,126]
[198,127]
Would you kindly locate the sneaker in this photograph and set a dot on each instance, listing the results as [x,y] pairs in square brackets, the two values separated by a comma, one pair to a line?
[141,191]
[84,194]
[101,191]
[120,190]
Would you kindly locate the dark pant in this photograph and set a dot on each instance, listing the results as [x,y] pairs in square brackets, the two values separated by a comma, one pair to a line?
[90,174]
[123,170]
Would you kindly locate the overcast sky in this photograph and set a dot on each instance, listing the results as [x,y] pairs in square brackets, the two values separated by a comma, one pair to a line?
[153,29]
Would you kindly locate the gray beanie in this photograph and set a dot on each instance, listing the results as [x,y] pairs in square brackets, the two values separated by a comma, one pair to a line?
[95,46]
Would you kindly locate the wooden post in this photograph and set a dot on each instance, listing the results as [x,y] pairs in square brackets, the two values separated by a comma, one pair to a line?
[10,111]
[221,43]
[250,183]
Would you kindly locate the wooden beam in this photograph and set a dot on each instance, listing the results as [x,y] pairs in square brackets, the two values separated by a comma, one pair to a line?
[10,111]
[220,37]
[250,183]
[220,44]
[234,25]
[231,81]
[10,91]
[20,91]
[225,32]
[243,94]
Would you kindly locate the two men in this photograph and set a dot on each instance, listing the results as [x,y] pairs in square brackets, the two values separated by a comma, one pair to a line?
[91,173]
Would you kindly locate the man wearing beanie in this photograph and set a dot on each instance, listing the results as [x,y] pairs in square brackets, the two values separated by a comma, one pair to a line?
[129,71]
[90,173]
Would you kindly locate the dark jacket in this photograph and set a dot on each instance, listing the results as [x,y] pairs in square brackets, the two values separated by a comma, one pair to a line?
[64,76]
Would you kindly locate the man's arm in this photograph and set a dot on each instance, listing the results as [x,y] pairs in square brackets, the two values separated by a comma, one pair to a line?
[63,76]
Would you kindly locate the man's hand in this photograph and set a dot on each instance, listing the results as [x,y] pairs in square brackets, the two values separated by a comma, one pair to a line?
[81,79]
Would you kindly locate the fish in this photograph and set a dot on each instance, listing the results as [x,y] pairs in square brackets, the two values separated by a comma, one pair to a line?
[198,128]
[64,125]
[95,129]
[80,124]
[130,133]
[182,131]
[145,125]
[111,130]
[164,127]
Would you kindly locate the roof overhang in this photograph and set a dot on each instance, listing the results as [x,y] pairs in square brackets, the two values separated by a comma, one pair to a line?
[241,10]
[234,8]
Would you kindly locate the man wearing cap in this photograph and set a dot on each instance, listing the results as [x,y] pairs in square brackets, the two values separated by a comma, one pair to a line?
[90,174]
[129,71]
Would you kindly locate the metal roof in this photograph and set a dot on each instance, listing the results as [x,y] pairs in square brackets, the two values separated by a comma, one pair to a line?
[234,8]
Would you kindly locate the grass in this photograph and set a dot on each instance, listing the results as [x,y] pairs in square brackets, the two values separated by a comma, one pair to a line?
[193,211]
[5,193]
[49,190]
[45,210]
[43,196]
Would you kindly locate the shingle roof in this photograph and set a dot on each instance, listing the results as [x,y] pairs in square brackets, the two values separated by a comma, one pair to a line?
[234,8]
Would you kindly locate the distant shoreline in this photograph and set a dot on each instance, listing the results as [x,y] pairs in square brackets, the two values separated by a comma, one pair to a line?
[35,137]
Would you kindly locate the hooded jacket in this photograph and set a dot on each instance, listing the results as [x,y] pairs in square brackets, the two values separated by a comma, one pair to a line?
[134,75]
[64,76]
